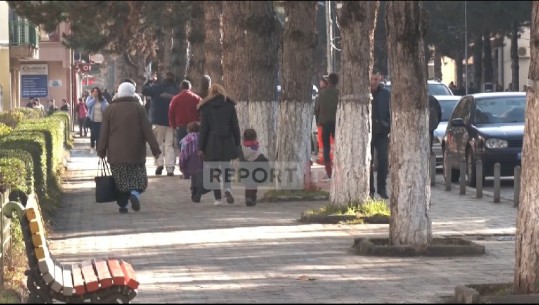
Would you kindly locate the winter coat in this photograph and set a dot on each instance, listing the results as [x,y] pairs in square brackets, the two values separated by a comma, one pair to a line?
[124,132]
[381,114]
[219,129]
[326,106]
[190,162]
[161,94]
[183,109]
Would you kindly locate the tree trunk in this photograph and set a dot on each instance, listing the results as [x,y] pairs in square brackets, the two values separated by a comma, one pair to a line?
[212,42]
[527,235]
[487,59]
[477,63]
[179,48]
[350,182]
[460,70]
[196,37]
[514,58]
[235,69]
[261,52]
[438,64]
[296,112]
[410,222]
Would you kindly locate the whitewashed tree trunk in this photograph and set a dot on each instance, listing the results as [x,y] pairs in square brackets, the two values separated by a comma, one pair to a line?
[235,69]
[296,108]
[351,163]
[261,49]
[212,41]
[527,229]
[410,222]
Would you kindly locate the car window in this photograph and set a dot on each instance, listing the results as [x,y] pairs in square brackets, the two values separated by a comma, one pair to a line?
[438,89]
[447,109]
[500,110]
[457,113]
[467,111]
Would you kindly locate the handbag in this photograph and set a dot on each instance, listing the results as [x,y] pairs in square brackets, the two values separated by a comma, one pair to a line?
[105,187]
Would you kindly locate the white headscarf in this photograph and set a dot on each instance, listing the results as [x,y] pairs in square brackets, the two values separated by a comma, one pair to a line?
[126,89]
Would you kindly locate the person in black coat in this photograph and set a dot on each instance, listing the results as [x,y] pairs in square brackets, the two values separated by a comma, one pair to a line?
[219,139]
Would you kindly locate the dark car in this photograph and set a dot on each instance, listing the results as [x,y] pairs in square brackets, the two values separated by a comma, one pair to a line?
[487,127]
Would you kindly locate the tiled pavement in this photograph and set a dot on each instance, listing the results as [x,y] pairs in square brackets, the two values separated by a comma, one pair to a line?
[185,252]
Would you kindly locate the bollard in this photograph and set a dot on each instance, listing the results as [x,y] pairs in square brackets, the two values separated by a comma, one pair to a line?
[447,173]
[478,179]
[432,169]
[462,179]
[497,183]
[516,187]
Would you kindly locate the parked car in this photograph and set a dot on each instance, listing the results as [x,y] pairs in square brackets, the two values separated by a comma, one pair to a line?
[434,87]
[447,103]
[487,127]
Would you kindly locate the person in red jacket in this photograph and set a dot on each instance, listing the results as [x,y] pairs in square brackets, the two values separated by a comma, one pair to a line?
[183,110]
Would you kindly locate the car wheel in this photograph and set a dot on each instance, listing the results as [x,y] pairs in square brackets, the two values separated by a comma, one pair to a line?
[447,166]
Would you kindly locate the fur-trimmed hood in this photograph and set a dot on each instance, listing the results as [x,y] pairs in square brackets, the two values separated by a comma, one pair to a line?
[216,100]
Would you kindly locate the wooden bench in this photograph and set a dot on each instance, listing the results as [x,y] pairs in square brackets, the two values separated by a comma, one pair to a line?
[105,280]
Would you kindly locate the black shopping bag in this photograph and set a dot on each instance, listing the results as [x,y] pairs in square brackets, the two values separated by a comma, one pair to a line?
[105,187]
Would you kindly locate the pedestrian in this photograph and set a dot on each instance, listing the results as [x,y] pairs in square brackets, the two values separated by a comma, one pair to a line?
[435,116]
[381,122]
[131,81]
[205,84]
[252,152]
[96,105]
[326,114]
[107,95]
[30,103]
[51,107]
[162,94]
[65,106]
[219,139]
[183,110]
[124,134]
[82,111]
[191,164]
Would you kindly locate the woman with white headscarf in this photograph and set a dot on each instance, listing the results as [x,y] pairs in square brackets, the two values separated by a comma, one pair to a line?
[125,130]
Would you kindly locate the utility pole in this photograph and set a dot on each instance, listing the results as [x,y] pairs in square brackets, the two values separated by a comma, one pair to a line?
[329,37]
[466,45]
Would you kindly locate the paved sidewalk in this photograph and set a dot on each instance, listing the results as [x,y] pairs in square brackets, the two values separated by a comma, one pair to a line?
[186,252]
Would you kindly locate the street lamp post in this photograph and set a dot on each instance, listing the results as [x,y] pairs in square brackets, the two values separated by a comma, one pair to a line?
[466,45]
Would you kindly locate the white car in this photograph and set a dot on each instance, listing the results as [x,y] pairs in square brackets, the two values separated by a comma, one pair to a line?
[447,103]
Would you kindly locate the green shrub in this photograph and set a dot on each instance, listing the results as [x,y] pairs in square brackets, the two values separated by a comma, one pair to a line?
[4,129]
[28,162]
[12,175]
[11,118]
[30,113]
[66,119]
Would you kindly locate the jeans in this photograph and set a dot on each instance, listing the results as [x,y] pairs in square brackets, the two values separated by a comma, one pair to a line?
[226,184]
[328,131]
[95,129]
[381,143]
[82,126]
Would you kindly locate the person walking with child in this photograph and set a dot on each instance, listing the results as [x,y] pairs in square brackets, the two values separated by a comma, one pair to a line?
[124,134]
[219,139]
[252,152]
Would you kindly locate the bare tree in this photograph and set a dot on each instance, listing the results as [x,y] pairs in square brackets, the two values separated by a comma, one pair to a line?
[350,181]
[235,69]
[261,50]
[195,37]
[410,222]
[212,41]
[527,230]
[296,108]
[179,48]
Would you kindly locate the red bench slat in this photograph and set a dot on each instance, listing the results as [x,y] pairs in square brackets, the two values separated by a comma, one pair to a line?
[129,273]
[90,278]
[116,272]
[78,280]
[103,274]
